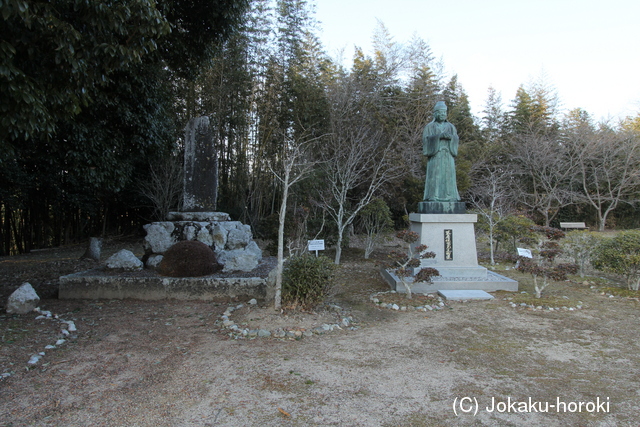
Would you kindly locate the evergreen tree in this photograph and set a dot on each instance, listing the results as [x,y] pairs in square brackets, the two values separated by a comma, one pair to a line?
[471,143]
[493,119]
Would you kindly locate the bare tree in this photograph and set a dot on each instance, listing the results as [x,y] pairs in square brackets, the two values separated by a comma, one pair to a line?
[491,197]
[356,158]
[545,171]
[360,156]
[375,220]
[608,168]
[164,186]
[294,166]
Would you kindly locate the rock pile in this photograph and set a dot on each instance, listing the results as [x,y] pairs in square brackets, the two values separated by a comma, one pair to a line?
[231,241]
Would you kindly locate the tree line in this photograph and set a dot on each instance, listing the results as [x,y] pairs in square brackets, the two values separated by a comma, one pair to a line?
[95,98]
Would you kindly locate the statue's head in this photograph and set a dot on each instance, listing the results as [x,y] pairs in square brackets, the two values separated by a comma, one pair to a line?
[440,111]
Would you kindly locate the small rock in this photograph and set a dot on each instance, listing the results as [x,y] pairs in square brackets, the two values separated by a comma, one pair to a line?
[228,323]
[23,300]
[395,307]
[263,333]
[34,359]
[336,308]
[253,301]
[125,260]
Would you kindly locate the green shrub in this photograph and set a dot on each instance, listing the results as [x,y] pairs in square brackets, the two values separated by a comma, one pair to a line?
[580,246]
[306,280]
[621,255]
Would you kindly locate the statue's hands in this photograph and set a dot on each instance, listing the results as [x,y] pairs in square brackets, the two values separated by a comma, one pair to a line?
[445,135]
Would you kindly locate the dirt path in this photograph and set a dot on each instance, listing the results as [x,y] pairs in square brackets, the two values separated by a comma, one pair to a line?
[169,363]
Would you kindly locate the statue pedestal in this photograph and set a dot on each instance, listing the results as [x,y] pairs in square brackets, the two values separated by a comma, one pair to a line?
[452,238]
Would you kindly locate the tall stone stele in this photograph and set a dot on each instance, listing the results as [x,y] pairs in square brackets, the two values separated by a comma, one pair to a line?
[200,168]
[442,222]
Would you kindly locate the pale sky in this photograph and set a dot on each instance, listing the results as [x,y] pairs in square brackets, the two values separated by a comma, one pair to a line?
[588,50]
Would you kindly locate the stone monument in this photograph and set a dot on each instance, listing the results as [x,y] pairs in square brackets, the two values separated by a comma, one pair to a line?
[231,241]
[442,221]
[200,167]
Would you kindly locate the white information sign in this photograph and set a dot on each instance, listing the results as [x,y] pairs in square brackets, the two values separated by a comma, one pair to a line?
[525,253]
[316,245]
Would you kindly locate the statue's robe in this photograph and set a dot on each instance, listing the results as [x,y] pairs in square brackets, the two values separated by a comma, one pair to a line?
[440,184]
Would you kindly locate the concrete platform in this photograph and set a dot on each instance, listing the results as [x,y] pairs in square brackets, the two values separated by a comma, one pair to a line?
[491,282]
[461,295]
[146,285]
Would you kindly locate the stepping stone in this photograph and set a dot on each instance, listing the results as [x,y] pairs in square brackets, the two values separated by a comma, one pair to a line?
[464,294]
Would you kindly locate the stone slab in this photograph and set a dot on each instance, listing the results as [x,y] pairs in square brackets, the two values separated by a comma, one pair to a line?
[435,218]
[464,294]
[491,282]
[94,285]
[198,216]
[446,271]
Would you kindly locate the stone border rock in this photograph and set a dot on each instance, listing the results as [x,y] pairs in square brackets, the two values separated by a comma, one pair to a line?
[68,326]
[433,307]
[237,332]
[542,307]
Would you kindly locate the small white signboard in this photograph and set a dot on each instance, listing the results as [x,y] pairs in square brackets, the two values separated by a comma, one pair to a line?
[525,253]
[316,245]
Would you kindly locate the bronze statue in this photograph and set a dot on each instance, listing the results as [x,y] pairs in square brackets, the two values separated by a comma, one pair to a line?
[440,144]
